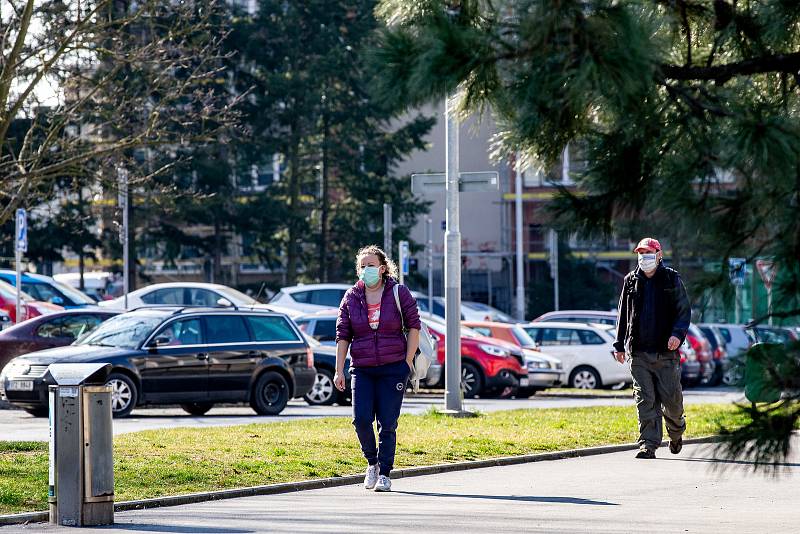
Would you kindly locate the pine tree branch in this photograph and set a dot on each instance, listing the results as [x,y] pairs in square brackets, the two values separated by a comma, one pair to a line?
[788,63]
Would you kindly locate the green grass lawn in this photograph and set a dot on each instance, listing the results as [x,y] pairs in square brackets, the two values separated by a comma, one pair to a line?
[170,462]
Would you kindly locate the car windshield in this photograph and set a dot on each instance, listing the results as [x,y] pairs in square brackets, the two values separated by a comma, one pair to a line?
[73,294]
[237,297]
[123,331]
[523,338]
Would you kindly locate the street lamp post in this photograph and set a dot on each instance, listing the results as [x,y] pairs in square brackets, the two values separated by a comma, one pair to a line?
[452,261]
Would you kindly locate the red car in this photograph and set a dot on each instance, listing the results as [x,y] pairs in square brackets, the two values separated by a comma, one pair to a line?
[702,348]
[487,368]
[30,307]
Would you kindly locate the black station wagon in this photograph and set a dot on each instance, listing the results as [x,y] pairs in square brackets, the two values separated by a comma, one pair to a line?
[175,355]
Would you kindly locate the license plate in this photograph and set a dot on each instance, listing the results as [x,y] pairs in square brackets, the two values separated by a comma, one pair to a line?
[523,382]
[20,385]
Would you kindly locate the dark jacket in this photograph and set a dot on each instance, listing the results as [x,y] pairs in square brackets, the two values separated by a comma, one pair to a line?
[387,344]
[673,312]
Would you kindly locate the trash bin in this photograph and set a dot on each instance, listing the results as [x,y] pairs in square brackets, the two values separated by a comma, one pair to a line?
[81,478]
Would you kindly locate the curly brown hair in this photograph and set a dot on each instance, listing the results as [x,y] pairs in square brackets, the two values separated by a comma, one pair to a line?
[391,268]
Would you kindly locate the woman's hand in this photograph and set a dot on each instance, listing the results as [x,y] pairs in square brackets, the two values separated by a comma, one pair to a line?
[338,380]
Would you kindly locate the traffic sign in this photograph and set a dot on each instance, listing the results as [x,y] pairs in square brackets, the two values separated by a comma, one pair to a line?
[22,230]
[767,269]
[404,258]
[737,269]
[468,182]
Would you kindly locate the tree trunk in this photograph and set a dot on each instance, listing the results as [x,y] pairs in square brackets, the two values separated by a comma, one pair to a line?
[323,238]
[294,198]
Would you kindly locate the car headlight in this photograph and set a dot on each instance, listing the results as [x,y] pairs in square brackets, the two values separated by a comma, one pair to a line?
[16,368]
[493,350]
[537,364]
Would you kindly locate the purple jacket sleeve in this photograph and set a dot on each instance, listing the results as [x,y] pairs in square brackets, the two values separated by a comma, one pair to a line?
[344,331]
[409,306]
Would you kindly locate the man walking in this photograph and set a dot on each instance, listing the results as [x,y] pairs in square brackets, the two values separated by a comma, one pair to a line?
[654,315]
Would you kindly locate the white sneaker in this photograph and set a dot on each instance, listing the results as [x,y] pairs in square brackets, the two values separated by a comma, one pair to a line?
[371,478]
[384,484]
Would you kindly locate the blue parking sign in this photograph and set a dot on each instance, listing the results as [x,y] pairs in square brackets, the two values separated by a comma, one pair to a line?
[22,230]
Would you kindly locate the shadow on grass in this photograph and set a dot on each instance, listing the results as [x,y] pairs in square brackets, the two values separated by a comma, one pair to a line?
[521,498]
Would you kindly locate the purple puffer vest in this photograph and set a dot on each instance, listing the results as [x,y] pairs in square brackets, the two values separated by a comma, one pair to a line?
[387,344]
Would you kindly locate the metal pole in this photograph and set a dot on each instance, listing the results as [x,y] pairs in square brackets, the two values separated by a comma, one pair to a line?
[554,252]
[769,303]
[387,229]
[452,275]
[489,283]
[18,259]
[429,235]
[520,265]
[123,201]
[736,307]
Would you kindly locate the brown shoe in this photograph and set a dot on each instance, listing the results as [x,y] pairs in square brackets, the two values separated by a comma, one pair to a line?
[676,446]
[646,454]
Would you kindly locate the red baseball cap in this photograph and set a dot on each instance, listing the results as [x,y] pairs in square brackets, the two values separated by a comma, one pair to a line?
[648,243]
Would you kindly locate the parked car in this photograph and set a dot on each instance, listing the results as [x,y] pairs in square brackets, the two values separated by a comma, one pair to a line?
[30,307]
[690,367]
[579,316]
[508,332]
[5,320]
[477,311]
[487,367]
[184,294]
[322,327]
[773,334]
[47,289]
[174,355]
[97,284]
[310,298]
[702,348]
[47,331]
[544,370]
[585,350]
[719,353]
[324,393]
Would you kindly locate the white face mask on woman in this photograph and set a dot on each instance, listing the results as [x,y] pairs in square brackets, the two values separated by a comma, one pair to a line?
[648,262]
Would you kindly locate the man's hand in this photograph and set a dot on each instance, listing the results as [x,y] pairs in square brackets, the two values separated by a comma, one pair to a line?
[620,357]
[673,343]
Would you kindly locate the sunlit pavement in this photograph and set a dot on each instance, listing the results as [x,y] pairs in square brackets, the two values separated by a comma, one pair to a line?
[610,493]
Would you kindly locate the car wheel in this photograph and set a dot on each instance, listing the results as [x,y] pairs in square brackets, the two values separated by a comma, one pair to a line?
[124,394]
[323,393]
[471,380]
[270,394]
[197,408]
[585,378]
[734,375]
[38,412]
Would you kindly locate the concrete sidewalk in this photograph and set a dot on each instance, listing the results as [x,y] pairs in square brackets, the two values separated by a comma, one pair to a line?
[610,493]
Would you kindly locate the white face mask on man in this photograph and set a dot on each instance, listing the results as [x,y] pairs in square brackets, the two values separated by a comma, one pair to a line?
[648,262]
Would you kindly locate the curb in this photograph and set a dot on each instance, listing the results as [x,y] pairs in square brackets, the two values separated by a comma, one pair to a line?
[581,396]
[288,487]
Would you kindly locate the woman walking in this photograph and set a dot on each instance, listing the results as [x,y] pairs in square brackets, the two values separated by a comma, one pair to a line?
[371,326]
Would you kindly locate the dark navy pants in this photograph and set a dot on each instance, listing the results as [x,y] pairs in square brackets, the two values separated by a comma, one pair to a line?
[378,395]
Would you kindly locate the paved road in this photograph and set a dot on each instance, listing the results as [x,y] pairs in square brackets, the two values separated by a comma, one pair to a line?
[611,493]
[17,425]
